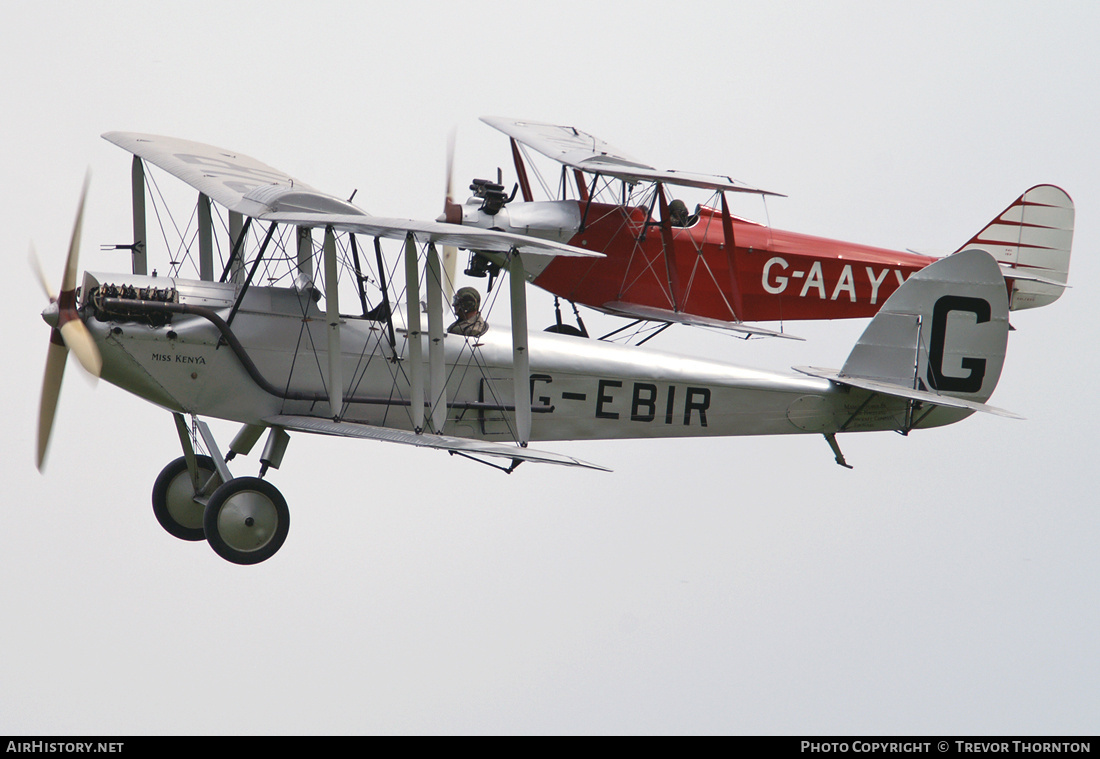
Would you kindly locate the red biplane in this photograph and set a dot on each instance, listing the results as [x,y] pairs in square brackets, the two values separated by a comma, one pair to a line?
[710,267]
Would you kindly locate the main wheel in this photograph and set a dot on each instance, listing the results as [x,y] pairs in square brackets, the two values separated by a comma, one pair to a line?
[174,503]
[246,520]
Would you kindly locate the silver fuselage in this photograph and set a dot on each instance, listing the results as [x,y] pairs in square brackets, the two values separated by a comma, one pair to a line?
[276,364]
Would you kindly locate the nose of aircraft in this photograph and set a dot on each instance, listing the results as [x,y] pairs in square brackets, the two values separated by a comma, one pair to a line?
[51,315]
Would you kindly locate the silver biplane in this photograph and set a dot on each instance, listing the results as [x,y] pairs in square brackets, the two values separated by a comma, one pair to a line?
[270,344]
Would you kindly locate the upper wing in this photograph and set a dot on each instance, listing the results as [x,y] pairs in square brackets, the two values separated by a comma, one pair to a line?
[251,188]
[234,180]
[580,150]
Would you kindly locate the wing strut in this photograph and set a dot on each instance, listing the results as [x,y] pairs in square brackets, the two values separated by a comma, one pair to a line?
[137,180]
[728,242]
[582,190]
[358,275]
[251,272]
[385,295]
[305,251]
[332,319]
[238,231]
[206,239]
[437,369]
[521,173]
[520,360]
[416,358]
[669,248]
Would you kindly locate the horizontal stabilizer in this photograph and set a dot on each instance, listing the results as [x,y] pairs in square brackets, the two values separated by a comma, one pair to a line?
[900,391]
[462,445]
[1020,275]
[651,313]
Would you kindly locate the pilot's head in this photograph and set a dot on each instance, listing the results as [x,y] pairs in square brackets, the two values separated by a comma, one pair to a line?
[466,301]
[678,212]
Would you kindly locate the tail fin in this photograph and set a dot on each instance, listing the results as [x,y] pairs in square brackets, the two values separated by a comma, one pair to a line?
[939,340]
[1031,241]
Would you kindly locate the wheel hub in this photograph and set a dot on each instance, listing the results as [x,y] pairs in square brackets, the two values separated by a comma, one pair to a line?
[248,520]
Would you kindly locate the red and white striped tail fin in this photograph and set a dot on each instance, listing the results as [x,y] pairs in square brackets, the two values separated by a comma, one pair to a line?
[1031,241]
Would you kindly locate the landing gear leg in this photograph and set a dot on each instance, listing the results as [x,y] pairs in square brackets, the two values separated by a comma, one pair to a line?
[567,329]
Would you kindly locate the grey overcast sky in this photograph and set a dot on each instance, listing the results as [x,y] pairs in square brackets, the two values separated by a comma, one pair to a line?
[946,585]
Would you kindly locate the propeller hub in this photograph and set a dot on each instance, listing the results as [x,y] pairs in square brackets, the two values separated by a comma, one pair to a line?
[51,314]
[452,212]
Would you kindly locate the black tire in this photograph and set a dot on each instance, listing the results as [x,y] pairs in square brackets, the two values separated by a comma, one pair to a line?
[565,329]
[246,520]
[173,499]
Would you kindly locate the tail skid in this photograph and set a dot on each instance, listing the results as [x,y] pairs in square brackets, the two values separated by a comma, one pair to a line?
[1031,241]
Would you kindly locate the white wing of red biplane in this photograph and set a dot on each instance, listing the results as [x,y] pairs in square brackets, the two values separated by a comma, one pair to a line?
[585,152]
[251,188]
[651,313]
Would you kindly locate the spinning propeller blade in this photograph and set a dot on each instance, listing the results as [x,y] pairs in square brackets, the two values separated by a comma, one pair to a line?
[40,272]
[79,340]
[72,262]
[69,333]
[51,389]
[452,214]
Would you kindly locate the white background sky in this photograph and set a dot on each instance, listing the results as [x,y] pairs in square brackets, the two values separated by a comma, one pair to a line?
[946,585]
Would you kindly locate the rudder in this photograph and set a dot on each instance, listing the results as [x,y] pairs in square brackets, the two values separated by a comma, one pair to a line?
[944,331]
[1031,240]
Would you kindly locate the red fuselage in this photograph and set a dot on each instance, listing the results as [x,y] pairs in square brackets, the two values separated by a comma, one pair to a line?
[767,274]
